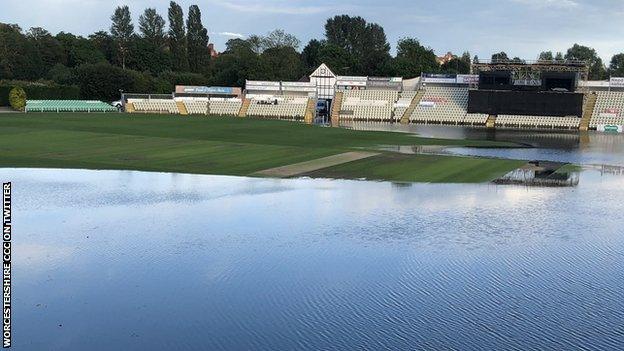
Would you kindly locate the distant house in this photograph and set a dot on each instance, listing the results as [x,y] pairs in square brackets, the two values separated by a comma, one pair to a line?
[212,51]
[445,59]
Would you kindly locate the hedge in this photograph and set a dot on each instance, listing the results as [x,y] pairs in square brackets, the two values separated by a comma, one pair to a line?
[39,91]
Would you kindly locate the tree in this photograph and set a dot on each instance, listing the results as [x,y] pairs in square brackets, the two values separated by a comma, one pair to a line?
[559,56]
[500,57]
[198,55]
[105,44]
[102,81]
[275,39]
[177,38]
[456,66]
[19,58]
[412,59]
[122,30]
[152,27]
[616,68]
[281,63]
[50,51]
[79,50]
[337,58]
[147,57]
[310,54]
[546,56]
[366,43]
[236,64]
[597,70]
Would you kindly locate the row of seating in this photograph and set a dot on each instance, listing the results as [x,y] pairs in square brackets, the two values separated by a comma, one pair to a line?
[442,105]
[609,109]
[379,95]
[155,105]
[225,107]
[538,122]
[68,106]
[196,107]
[370,105]
[475,119]
[284,107]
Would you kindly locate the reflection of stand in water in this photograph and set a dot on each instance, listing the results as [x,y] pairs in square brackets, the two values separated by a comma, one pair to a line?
[538,173]
[612,170]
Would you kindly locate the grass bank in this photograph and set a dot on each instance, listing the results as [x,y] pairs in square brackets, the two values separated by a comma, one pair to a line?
[229,146]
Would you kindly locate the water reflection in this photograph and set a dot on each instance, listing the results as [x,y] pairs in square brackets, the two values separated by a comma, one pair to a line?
[160,261]
[532,175]
[570,147]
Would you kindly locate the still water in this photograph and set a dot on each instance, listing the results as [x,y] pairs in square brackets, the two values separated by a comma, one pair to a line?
[152,261]
[587,148]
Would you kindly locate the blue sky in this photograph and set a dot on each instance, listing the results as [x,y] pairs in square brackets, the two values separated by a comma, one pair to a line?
[520,27]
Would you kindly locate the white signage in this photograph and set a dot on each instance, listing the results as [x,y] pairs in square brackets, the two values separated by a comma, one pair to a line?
[616,82]
[467,79]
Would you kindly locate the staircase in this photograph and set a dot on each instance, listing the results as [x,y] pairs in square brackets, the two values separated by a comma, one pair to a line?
[244,108]
[412,106]
[588,111]
[491,121]
[129,107]
[336,107]
[182,108]
[309,114]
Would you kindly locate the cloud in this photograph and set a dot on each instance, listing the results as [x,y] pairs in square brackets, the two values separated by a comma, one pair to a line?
[539,4]
[275,7]
[231,34]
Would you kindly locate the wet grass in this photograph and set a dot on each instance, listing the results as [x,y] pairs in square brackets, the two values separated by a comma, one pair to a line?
[422,168]
[229,146]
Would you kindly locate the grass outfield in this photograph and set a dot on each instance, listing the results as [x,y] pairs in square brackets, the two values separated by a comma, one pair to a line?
[421,168]
[229,146]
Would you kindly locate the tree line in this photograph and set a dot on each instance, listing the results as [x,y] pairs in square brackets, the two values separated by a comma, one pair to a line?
[160,53]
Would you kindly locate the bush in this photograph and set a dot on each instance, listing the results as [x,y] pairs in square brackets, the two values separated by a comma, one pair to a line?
[17,98]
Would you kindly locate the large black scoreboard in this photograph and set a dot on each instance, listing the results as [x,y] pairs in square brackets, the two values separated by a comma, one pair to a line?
[526,93]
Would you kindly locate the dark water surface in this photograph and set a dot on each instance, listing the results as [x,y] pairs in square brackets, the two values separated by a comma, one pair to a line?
[125,260]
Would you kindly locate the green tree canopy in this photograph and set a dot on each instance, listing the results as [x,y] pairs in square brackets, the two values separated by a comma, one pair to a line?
[177,38]
[597,70]
[122,30]
[546,56]
[413,59]
[500,57]
[79,50]
[281,63]
[365,43]
[50,51]
[310,54]
[19,57]
[616,68]
[152,27]
[275,39]
[197,34]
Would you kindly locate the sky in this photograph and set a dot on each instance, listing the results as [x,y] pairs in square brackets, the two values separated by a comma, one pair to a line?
[522,28]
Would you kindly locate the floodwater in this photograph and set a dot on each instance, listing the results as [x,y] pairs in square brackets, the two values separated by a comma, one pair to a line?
[127,260]
[586,148]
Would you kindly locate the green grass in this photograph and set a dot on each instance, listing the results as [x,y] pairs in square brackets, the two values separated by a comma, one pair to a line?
[229,146]
[422,168]
[569,168]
